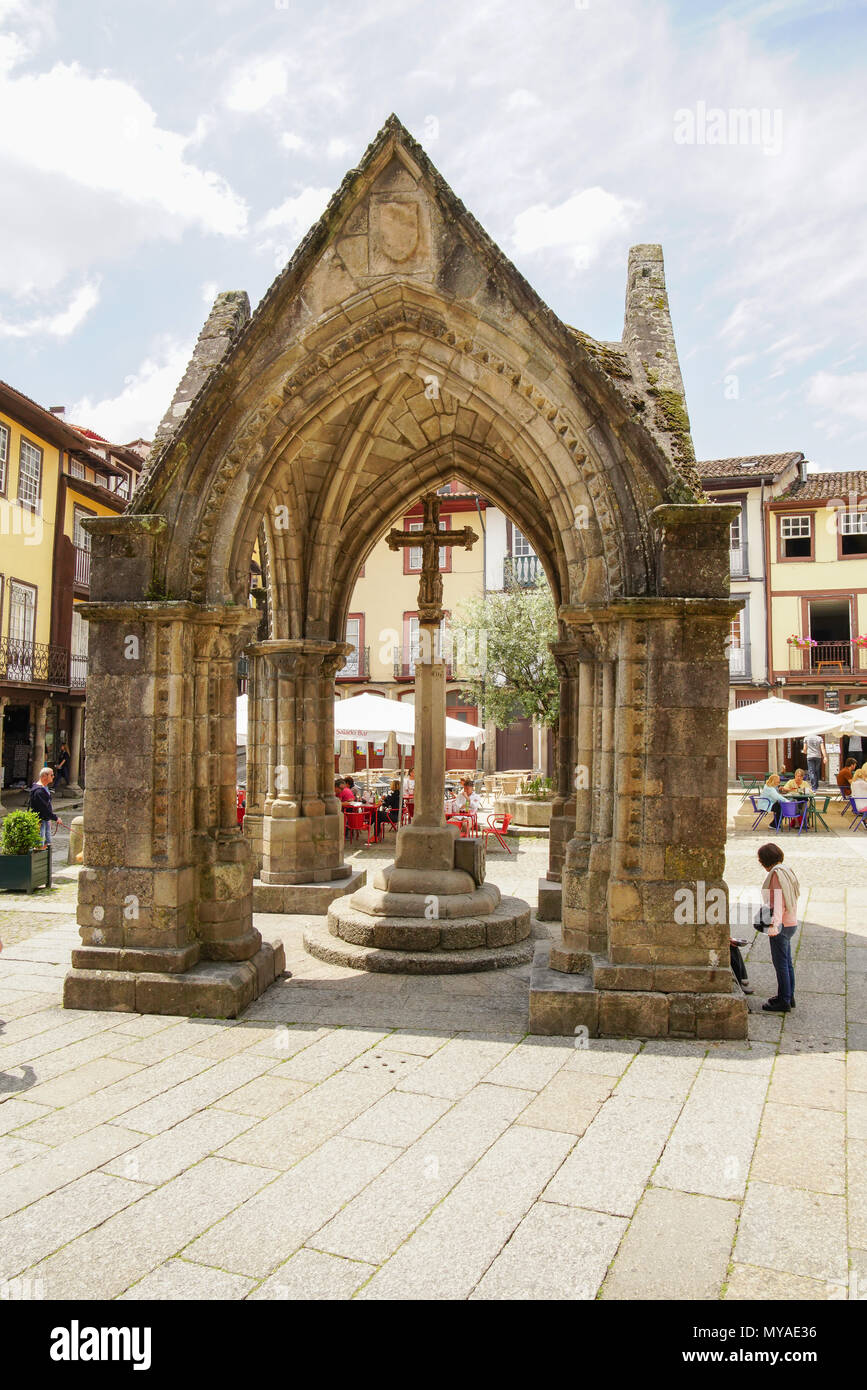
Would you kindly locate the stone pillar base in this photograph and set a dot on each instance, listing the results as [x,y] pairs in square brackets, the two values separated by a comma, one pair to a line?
[562,1003]
[497,940]
[311,899]
[550,907]
[210,989]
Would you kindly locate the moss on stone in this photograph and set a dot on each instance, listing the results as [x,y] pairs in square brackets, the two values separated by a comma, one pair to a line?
[613,362]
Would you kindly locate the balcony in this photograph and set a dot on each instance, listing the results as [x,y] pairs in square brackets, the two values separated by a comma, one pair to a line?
[405,663]
[739,663]
[33,663]
[827,660]
[78,671]
[356,667]
[739,562]
[82,566]
[523,570]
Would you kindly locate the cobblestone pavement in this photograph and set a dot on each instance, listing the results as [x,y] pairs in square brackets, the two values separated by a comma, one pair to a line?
[381,1137]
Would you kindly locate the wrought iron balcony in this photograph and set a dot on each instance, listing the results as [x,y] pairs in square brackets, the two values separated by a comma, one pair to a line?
[82,565]
[78,671]
[33,663]
[356,667]
[523,570]
[405,664]
[827,659]
[739,562]
[739,662]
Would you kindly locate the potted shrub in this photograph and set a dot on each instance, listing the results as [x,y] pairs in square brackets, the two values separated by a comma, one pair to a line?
[24,863]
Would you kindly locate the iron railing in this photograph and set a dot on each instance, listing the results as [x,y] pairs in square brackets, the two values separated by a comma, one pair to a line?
[357,665]
[33,663]
[739,561]
[739,662]
[78,671]
[82,565]
[405,664]
[833,658]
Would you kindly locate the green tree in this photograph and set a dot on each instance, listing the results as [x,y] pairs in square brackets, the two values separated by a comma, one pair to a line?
[501,651]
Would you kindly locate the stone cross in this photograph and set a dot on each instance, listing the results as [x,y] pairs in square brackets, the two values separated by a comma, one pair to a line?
[430,538]
[430,685]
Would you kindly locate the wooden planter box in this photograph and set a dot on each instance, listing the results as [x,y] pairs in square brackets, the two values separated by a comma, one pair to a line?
[21,873]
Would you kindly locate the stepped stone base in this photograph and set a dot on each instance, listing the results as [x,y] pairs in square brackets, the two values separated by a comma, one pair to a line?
[309,899]
[550,907]
[560,1004]
[211,989]
[418,946]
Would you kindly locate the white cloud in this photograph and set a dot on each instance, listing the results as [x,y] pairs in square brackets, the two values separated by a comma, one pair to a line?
[296,215]
[60,324]
[522,100]
[138,408]
[337,148]
[88,174]
[258,83]
[580,226]
[843,394]
[290,141]
[210,290]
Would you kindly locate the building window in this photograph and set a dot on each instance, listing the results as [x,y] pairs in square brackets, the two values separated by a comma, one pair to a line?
[415,553]
[738,643]
[352,665]
[4,457]
[22,612]
[853,533]
[520,544]
[29,475]
[796,537]
[76,468]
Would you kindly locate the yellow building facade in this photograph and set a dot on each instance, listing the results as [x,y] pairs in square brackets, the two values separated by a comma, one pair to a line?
[52,476]
[816,538]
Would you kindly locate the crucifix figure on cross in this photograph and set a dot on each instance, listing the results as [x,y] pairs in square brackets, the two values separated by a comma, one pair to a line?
[430,538]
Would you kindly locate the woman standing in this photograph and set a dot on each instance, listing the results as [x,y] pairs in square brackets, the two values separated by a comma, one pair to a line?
[780,892]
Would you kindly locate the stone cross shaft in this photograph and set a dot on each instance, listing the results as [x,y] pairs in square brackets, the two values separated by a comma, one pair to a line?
[430,685]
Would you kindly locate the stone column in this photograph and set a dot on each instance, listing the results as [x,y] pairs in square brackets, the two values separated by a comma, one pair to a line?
[303,826]
[576,902]
[39,713]
[76,718]
[162,888]
[259,702]
[391,756]
[223,853]
[563,810]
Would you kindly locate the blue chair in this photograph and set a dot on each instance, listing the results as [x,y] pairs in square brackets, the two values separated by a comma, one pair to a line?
[795,811]
[763,805]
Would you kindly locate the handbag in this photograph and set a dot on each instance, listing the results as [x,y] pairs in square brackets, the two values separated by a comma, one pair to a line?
[763,918]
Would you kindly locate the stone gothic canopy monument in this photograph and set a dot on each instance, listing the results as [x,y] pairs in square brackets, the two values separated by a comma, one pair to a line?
[309,426]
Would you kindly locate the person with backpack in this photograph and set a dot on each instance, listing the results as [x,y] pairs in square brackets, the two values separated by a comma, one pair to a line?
[40,802]
[780,892]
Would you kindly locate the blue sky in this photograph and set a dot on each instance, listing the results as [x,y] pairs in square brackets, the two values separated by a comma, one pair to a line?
[153,154]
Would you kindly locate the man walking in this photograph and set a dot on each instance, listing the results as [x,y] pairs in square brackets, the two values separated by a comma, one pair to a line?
[814,747]
[40,802]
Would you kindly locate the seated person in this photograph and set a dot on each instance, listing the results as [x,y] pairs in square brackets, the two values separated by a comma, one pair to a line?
[859,788]
[350,782]
[798,786]
[771,797]
[844,776]
[467,800]
[409,784]
[342,792]
[390,803]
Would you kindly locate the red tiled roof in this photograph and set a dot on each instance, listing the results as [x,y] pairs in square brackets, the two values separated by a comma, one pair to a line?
[758,464]
[828,485]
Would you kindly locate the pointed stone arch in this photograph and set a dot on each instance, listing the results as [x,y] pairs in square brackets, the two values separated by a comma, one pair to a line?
[399,346]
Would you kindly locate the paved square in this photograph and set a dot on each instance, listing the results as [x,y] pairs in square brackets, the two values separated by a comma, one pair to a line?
[355,1136]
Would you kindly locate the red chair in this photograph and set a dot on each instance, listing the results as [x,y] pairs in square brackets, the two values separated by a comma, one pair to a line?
[353,823]
[498,825]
